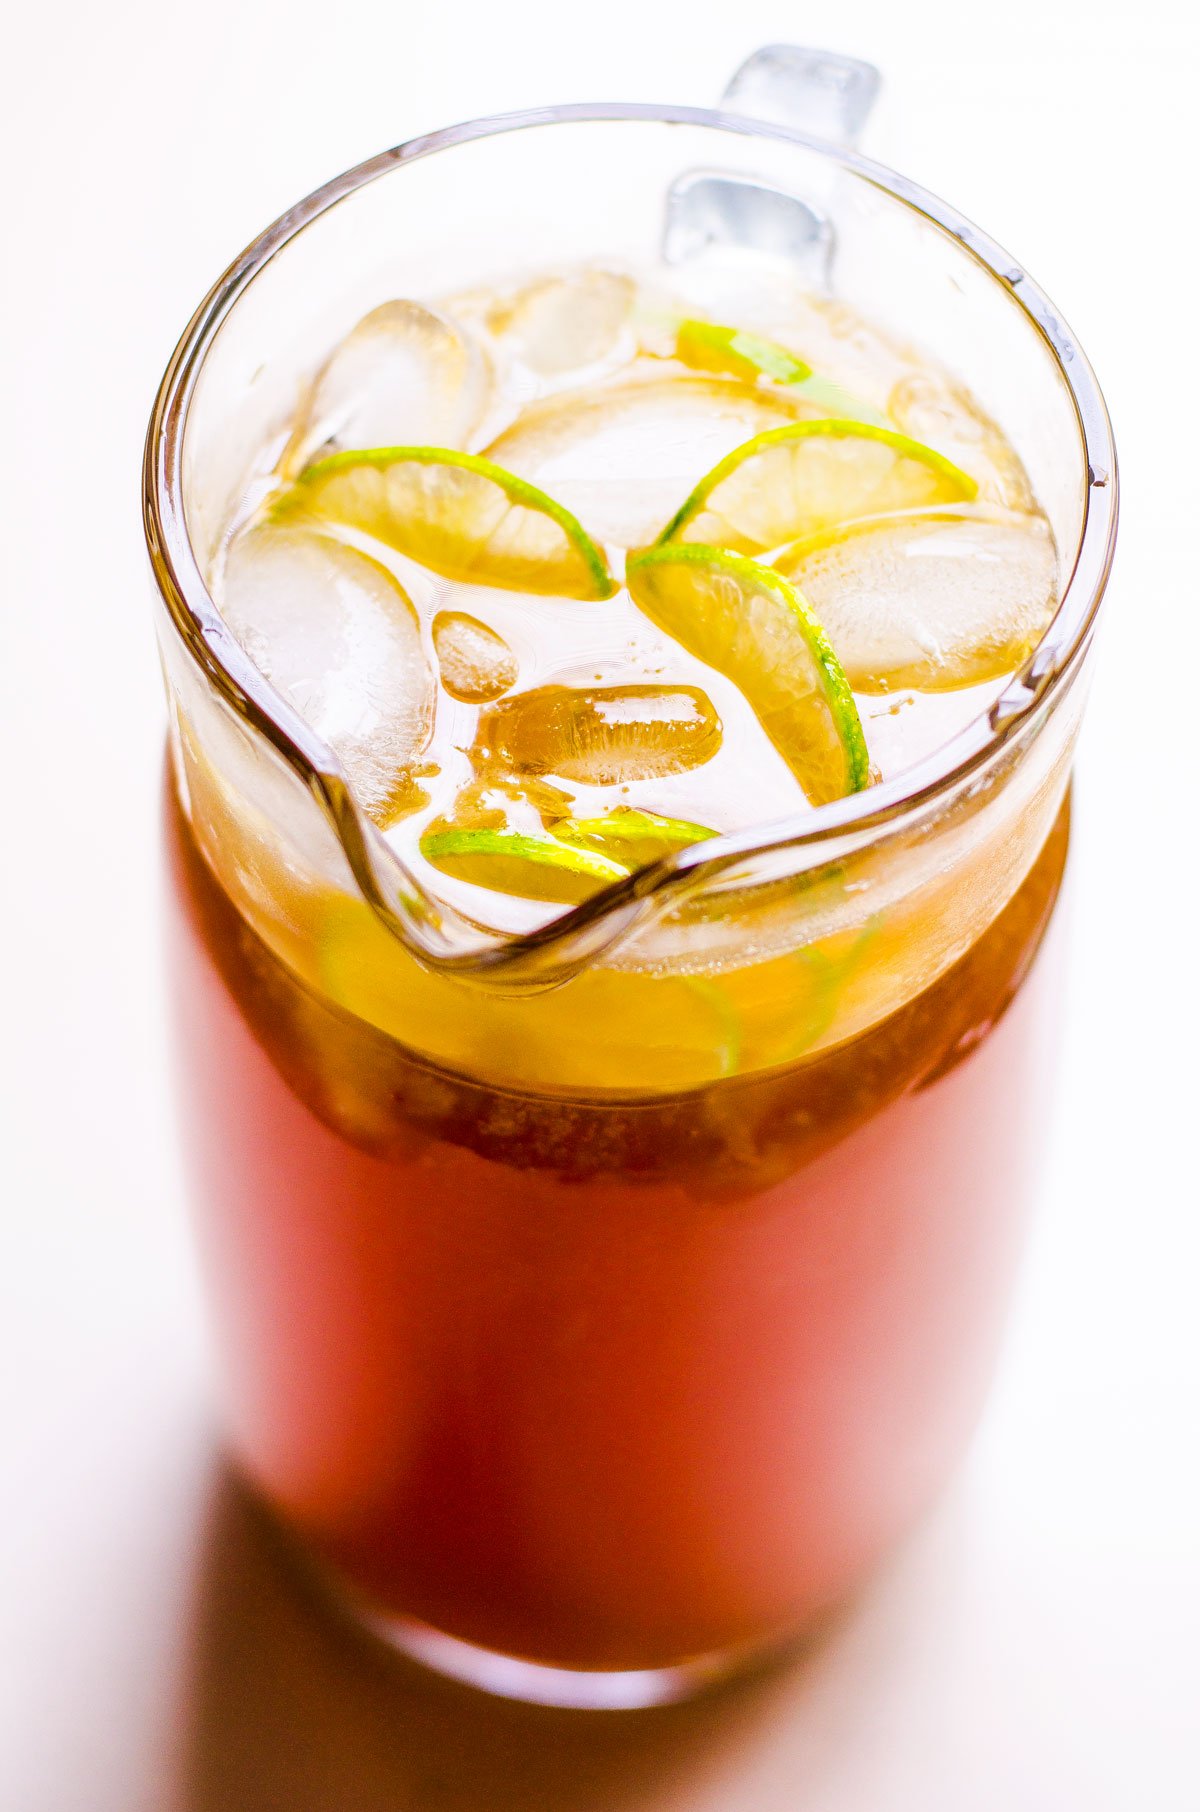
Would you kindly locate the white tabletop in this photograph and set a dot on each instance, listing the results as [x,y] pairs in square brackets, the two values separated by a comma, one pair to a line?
[1037,1647]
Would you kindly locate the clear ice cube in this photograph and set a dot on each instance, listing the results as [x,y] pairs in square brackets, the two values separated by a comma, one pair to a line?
[475,663]
[405,376]
[601,736]
[568,323]
[624,459]
[338,638]
[934,602]
[735,214]
[933,409]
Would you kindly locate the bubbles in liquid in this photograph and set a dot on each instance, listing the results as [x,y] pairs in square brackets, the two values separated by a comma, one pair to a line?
[623,459]
[601,736]
[405,376]
[567,323]
[934,602]
[476,664]
[338,638]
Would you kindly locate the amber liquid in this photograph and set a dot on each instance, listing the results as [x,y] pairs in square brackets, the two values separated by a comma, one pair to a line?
[604,1383]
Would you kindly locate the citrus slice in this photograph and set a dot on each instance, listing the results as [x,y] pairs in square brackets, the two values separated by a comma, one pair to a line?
[811,475]
[753,626]
[631,836]
[707,346]
[936,601]
[458,514]
[536,868]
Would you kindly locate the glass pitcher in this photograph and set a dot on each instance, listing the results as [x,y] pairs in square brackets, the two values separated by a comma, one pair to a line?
[597,1305]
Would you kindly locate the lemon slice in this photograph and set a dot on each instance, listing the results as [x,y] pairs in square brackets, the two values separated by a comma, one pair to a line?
[753,626]
[631,836]
[459,515]
[812,475]
[536,868]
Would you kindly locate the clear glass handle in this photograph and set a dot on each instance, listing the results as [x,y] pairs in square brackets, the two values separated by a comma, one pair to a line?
[817,91]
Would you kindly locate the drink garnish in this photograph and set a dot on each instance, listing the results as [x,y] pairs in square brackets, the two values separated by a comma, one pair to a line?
[756,628]
[806,476]
[708,346]
[632,836]
[458,514]
[537,867]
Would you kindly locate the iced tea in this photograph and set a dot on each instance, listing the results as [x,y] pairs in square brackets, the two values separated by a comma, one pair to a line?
[621,1325]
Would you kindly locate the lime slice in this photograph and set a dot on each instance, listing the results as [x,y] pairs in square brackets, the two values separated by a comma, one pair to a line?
[536,868]
[458,514]
[751,625]
[706,346]
[631,836]
[811,475]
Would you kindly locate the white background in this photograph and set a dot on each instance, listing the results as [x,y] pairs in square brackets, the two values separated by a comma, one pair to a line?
[1037,1649]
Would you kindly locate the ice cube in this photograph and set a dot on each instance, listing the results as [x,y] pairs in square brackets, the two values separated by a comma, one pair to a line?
[729,214]
[476,664]
[933,601]
[567,323]
[338,638]
[624,459]
[405,377]
[602,735]
[933,409]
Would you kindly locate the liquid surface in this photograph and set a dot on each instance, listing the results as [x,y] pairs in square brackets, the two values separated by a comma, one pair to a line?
[438,581]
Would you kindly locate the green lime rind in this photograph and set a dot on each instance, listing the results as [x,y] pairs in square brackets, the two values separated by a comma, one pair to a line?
[517,490]
[721,650]
[825,427]
[499,858]
[739,350]
[707,346]
[632,836]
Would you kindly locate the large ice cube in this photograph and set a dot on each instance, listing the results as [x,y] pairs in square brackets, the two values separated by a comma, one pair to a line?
[567,323]
[933,601]
[338,638]
[934,409]
[601,735]
[624,459]
[406,376]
